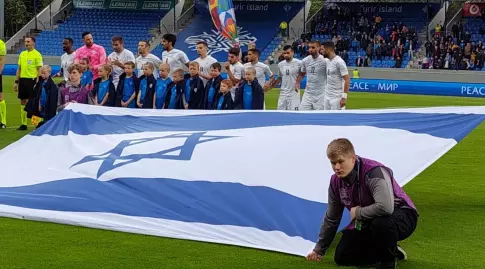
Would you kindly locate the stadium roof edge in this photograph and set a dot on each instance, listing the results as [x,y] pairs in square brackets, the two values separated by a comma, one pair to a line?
[285,1]
[387,1]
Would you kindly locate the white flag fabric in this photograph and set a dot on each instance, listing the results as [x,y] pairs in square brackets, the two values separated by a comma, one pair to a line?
[249,178]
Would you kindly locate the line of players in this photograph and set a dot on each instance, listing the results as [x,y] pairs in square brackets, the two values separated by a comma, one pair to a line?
[326,88]
[327,85]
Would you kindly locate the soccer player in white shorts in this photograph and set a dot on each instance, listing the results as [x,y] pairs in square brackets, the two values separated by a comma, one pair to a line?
[314,67]
[338,80]
[288,71]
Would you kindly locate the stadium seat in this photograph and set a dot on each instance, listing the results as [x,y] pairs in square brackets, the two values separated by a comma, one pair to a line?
[103,24]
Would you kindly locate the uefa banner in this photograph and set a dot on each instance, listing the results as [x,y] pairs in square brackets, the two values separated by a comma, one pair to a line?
[419,87]
[124,4]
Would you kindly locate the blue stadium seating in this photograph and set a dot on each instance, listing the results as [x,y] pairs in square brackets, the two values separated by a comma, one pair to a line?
[355,52]
[271,47]
[157,50]
[103,24]
[473,25]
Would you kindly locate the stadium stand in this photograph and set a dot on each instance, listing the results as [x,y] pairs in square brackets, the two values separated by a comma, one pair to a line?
[366,37]
[462,48]
[103,24]
[274,45]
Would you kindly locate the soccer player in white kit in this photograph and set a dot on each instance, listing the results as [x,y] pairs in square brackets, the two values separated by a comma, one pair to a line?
[338,79]
[146,57]
[176,58]
[235,69]
[288,71]
[205,61]
[67,59]
[314,67]
[262,70]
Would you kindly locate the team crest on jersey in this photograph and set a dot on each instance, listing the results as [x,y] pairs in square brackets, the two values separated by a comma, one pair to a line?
[218,43]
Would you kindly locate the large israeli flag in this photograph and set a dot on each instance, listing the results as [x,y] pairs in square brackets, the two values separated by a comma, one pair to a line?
[254,179]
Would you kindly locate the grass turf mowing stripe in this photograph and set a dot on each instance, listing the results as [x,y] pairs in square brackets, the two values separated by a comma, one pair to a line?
[449,196]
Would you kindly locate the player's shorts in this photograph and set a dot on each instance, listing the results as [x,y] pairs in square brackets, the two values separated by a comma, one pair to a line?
[1,83]
[311,102]
[26,88]
[332,104]
[289,102]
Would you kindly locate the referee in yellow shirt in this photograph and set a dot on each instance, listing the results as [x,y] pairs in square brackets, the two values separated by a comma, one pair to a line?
[30,61]
[3,106]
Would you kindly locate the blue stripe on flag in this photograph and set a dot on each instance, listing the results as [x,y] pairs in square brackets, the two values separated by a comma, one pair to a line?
[213,203]
[455,126]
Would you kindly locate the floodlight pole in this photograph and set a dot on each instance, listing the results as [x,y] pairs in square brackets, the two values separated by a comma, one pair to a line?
[304,16]
[2,20]
[35,13]
[174,18]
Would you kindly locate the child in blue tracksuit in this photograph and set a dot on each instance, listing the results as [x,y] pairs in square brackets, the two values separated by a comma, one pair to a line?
[147,85]
[249,94]
[194,87]
[213,85]
[104,89]
[87,76]
[175,96]
[223,100]
[127,87]
[161,89]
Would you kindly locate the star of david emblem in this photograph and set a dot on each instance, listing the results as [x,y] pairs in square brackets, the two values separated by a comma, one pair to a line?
[112,159]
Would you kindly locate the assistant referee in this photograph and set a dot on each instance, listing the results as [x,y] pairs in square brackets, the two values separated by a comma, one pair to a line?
[30,61]
[3,106]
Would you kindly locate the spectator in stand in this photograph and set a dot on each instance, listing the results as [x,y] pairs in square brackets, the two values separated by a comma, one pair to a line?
[359,62]
[463,54]
[358,31]
[95,53]
[398,63]
[437,30]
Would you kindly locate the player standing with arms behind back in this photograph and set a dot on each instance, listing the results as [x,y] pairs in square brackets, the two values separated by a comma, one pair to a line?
[314,67]
[288,71]
[338,80]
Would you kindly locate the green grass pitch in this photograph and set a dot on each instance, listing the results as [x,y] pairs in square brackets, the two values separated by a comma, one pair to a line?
[449,195]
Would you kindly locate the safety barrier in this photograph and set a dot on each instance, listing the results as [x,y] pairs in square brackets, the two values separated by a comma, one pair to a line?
[418,87]
[382,86]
